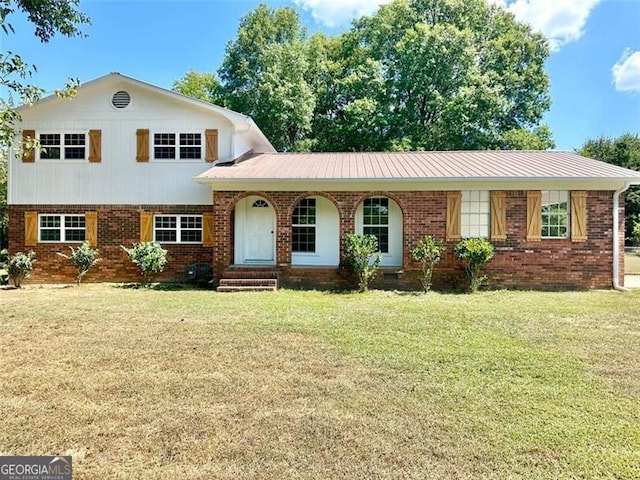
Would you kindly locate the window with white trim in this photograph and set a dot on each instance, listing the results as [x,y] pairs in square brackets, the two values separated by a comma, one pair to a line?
[63,146]
[183,146]
[303,222]
[61,228]
[555,214]
[475,214]
[177,228]
[375,221]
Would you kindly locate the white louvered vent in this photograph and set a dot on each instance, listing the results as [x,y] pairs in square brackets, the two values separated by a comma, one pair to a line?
[121,99]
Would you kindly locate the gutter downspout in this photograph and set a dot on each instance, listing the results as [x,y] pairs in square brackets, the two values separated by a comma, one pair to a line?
[616,239]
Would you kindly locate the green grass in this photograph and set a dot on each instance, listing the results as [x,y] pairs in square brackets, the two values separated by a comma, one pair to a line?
[193,384]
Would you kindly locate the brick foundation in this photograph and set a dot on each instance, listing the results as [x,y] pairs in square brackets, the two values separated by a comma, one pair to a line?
[117,225]
[548,264]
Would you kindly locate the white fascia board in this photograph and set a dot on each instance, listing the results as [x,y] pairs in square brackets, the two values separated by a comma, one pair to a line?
[347,185]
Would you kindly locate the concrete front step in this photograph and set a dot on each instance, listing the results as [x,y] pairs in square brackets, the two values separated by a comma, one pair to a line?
[245,288]
[249,282]
[250,273]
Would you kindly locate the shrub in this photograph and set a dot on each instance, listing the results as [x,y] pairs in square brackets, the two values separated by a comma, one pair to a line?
[635,238]
[474,253]
[19,267]
[362,258]
[4,265]
[428,253]
[150,258]
[83,258]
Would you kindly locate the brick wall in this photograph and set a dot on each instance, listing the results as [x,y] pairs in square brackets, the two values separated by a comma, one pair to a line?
[117,225]
[547,264]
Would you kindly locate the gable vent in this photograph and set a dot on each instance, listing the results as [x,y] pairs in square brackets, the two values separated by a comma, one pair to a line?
[121,99]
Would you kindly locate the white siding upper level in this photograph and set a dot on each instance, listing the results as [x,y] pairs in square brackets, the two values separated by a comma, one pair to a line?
[118,178]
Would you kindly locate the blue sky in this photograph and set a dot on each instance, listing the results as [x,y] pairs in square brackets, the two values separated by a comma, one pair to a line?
[594,67]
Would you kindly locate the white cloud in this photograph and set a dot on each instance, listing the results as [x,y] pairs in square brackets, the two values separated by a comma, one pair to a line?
[339,12]
[626,72]
[561,21]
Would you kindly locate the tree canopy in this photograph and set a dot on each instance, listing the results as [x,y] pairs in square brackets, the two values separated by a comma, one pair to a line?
[623,151]
[416,75]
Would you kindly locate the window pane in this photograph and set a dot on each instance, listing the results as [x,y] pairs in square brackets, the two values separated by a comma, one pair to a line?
[189,139]
[50,153]
[74,235]
[381,234]
[165,222]
[191,222]
[190,153]
[475,214]
[49,221]
[194,236]
[164,138]
[166,236]
[164,152]
[71,139]
[304,239]
[49,235]
[50,139]
[74,221]
[305,212]
[376,211]
[555,214]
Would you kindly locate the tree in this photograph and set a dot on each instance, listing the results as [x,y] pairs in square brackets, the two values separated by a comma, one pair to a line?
[49,17]
[417,75]
[203,86]
[623,151]
[263,75]
[442,75]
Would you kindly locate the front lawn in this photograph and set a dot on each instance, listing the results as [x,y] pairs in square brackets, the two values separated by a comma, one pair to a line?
[143,384]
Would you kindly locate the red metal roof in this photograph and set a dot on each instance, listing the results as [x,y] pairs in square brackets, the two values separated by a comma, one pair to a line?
[459,165]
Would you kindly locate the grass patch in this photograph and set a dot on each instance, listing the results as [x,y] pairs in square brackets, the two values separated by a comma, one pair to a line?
[632,263]
[193,384]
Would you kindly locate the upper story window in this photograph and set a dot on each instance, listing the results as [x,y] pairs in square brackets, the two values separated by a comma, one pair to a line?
[177,228]
[61,228]
[555,214]
[375,221]
[63,146]
[172,146]
[304,226]
[475,214]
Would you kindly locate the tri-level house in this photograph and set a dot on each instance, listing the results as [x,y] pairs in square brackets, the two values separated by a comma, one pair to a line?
[126,161]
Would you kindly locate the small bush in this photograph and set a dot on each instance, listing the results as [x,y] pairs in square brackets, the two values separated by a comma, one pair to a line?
[428,253]
[4,265]
[635,238]
[474,253]
[19,267]
[83,258]
[150,258]
[362,258]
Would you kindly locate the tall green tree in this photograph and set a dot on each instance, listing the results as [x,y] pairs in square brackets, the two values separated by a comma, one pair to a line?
[203,86]
[48,17]
[623,151]
[442,75]
[263,75]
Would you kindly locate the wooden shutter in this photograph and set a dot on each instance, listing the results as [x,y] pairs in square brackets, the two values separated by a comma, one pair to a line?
[146,227]
[95,146]
[142,145]
[91,228]
[207,229]
[30,229]
[498,215]
[534,216]
[578,216]
[211,141]
[454,216]
[28,154]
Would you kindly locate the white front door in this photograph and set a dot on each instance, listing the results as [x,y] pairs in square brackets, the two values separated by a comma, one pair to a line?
[260,226]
